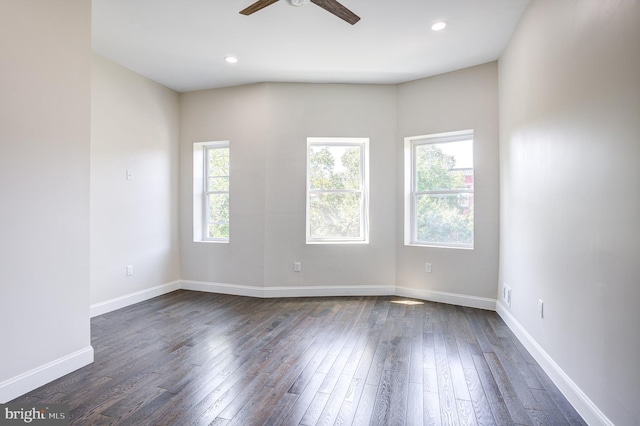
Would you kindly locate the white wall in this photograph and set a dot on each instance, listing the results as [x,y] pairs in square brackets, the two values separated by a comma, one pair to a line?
[134,127]
[236,114]
[570,186]
[298,111]
[44,191]
[460,100]
[267,126]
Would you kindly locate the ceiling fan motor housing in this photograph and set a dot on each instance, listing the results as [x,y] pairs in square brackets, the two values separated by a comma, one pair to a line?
[298,2]
[331,6]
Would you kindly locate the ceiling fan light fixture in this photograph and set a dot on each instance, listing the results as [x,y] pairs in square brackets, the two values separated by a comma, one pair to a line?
[298,3]
[439,26]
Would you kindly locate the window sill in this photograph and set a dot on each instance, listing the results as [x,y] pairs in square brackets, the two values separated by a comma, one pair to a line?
[212,241]
[337,242]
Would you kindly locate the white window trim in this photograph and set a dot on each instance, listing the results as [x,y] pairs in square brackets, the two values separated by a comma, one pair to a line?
[363,143]
[200,193]
[410,231]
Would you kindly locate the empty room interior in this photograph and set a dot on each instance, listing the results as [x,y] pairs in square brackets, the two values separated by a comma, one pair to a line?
[326,214]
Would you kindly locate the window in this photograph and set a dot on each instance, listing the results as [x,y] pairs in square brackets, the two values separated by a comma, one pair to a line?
[439,190]
[211,191]
[337,190]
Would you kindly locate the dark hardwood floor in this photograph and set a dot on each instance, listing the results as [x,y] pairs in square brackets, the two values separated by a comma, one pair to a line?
[191,358]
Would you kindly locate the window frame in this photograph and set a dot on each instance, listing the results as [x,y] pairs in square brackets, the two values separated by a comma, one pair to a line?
[201,191]
[411,193]
[363,145]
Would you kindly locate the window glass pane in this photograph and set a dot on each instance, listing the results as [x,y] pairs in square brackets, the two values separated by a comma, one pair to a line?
[218,216]
[444,166]
[444,219]
[220,183]
[218,230]
[218,161]
[335,215]
[334,167]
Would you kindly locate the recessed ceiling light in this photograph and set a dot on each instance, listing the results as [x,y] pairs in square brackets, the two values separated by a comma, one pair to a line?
[230,59]
[439,26]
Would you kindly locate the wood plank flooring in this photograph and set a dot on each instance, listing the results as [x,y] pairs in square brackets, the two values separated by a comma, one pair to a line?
[191,358]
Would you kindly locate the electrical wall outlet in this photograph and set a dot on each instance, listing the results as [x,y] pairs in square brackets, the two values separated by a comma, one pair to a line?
[541,308]
[506,294]
[129,270]
[427,267]
[297,266]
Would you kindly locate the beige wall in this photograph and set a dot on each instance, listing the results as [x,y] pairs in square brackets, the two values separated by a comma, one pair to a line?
[134,127]
[44,190]
[461,100]
[570,186]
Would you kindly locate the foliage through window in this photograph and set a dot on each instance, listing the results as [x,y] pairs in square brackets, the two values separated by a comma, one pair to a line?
[439,202]
[216,192]
[337,190]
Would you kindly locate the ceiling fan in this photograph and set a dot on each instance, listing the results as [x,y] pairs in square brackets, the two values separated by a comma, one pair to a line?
[331,6]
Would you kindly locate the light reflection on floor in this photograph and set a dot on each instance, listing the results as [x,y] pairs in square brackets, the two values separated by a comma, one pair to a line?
[408,302]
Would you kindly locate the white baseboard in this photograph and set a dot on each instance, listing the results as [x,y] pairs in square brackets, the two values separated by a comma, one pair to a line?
[269,292]
[234,289]
[328,291]
[307,291]
[33,379]
[132,298]
[356,290]
[580,401]
[451,298]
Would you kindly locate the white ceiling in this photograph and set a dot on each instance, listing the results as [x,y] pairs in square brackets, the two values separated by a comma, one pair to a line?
[181,43]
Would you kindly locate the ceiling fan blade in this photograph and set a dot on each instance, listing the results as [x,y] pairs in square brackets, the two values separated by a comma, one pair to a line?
[332,6]
[260,4]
